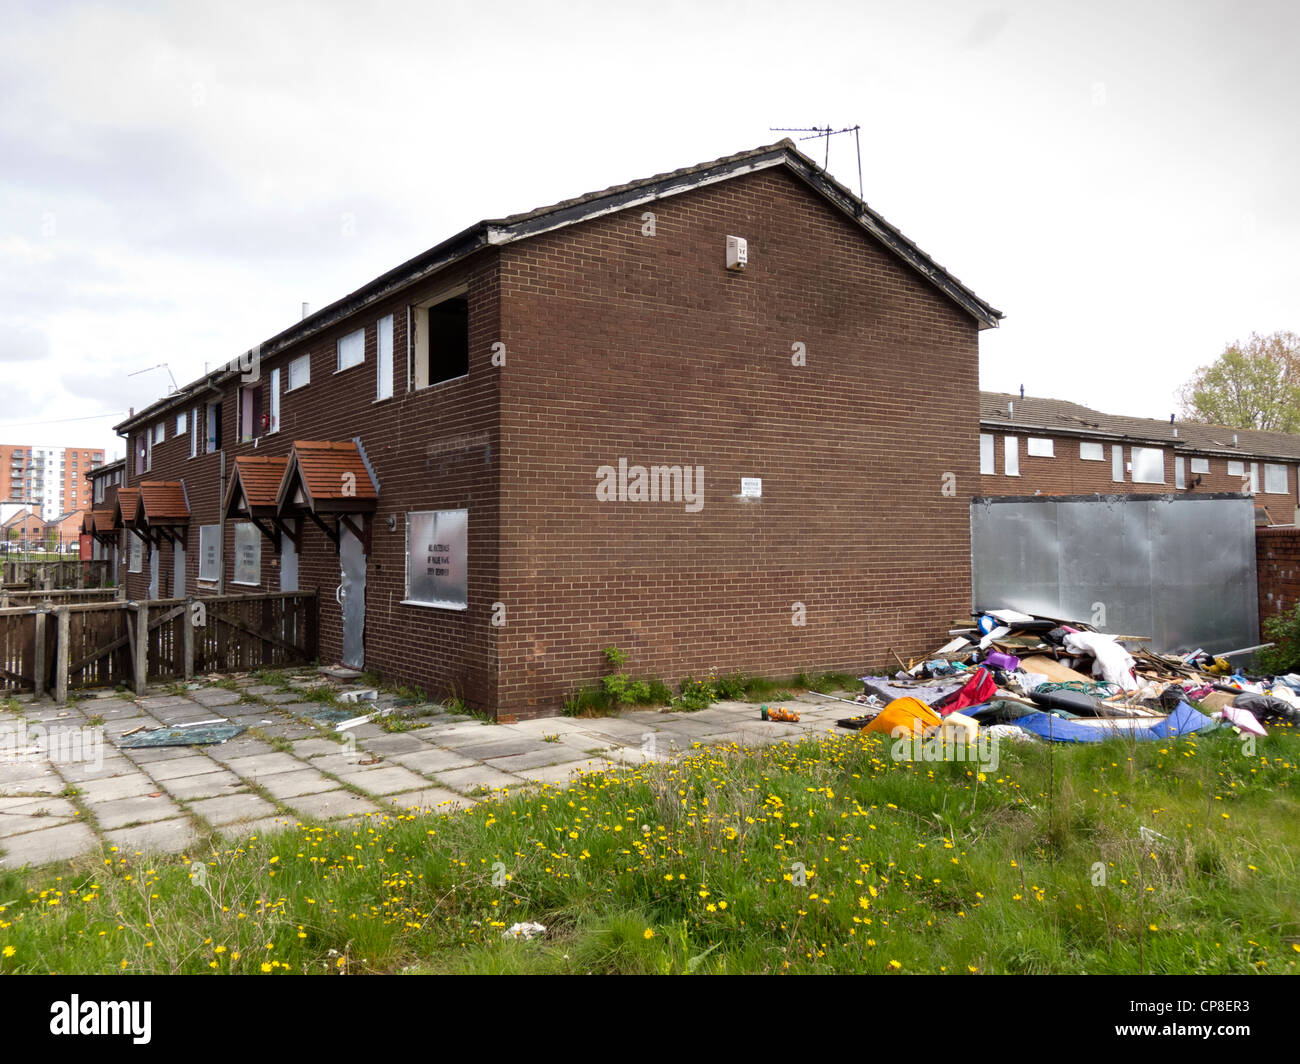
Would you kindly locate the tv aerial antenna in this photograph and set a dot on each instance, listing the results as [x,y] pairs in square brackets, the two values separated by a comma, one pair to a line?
[826,132]
[161,365]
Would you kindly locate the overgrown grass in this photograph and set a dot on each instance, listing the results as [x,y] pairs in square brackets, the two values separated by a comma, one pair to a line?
[827,856]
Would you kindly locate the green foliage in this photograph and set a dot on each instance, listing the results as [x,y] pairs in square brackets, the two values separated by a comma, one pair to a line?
[1255,385]
[1285,632]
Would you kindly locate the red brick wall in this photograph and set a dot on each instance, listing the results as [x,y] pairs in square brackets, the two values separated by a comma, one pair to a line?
[1277,567]
[623,345]
[647,348]
[1067,474]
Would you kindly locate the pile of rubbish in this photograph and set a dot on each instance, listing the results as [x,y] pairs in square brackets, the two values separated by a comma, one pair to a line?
[1023,677]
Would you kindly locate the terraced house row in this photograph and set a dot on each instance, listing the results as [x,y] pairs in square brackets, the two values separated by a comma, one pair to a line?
[661,417]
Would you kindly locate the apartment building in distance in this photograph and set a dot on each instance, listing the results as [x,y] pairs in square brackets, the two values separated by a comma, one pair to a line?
[49,480]
[1035,446]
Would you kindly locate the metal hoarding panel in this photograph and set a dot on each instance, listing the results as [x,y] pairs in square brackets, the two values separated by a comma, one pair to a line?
[1177,568]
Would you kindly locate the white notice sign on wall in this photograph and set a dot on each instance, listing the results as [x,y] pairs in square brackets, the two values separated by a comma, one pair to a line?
[751,487]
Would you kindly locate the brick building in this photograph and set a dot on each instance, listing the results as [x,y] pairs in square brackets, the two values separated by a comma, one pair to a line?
[1030,445]
[51,480]
[25,529]
[596,424]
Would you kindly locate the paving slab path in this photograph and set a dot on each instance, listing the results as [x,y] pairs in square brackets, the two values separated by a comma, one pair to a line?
[68,788]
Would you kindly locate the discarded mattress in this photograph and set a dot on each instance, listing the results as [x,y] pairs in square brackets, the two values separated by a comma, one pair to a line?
[201,735]
[1183,720]
[908,713]
[927,693]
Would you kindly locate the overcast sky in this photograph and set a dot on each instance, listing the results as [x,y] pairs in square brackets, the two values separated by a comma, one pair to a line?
[1120,179]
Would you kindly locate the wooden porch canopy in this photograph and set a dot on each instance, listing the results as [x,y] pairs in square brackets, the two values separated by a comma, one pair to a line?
[124,509]
[161,512]
[324,479]
[251,496]
[99,525]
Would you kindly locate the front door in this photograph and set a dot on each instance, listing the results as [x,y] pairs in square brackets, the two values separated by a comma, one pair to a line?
[352,597]
[288,564]
[178,571]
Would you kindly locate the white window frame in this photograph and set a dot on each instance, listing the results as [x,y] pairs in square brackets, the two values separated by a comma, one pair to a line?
[1272,471]
[384,359]
[1143,455]
[355,341]
[1092,451]
[1040,447]
[301,364]
[1011,456]
[160,432]
[1200,465]
[275,402]
[417,337]
[194,432]
[987,450]
[212,435]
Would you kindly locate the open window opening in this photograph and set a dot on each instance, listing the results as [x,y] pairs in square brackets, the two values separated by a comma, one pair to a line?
[439,340]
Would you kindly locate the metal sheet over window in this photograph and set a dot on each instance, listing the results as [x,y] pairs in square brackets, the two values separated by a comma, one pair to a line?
[210,553]
[1275,479]
[1180,474]
[1148,465]
[248,553]
[1011,456]
[1040,447]
[1117,463]
[137,553]
[437,548]
[1200,465]
[1091,452]
[986,453]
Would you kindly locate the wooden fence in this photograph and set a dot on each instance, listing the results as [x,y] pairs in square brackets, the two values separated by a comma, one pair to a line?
[66,573]
[68,647]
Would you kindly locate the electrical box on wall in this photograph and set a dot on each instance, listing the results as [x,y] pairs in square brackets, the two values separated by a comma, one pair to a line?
[737,252]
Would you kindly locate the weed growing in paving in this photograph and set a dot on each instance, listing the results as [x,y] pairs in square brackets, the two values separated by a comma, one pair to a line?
[820,856]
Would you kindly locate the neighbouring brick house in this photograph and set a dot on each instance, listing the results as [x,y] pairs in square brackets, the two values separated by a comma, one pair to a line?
[25,528]
[596,425]
[1030,445]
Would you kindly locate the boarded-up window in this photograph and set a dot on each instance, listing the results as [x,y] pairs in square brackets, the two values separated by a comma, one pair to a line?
[1236,469]
[352,349]
[136,563]
[1180,472]
[1091,452]
[1275,479]
[1200,465]
[1040,447]
[248,553]
[1148,465]
[1011,456]
[384,358]
[986,453]
[299,372]
[1117,463]
[437,545]
[210,553]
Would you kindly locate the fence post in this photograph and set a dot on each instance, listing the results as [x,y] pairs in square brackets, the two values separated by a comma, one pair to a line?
[38,657]
[141,646]
[188,628]
[63,652]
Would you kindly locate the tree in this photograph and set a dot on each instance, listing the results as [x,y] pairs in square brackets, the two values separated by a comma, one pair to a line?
[1255,385]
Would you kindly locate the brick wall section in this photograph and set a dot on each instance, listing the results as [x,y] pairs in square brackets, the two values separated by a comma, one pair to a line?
[622,345]
[1066,473]
[646,348]
[1277,567]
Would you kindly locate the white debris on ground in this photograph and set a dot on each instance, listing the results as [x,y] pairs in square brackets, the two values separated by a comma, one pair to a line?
[527,931]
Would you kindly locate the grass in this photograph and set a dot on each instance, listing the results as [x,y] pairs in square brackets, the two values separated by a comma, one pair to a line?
[828,856]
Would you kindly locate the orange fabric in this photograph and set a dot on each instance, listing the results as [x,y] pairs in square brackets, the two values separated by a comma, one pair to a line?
[909,713]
